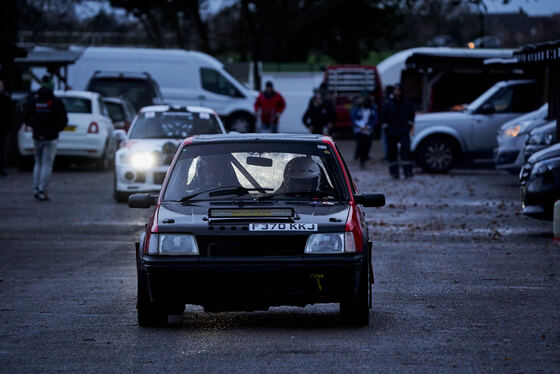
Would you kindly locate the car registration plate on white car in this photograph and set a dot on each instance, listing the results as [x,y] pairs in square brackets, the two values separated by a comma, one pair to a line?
[283,227]
[70,128]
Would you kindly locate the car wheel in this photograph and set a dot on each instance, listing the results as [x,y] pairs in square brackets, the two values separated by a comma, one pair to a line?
[241,123]
[104,162]
[355,311]
[437,155]
[149,314]
[121,197]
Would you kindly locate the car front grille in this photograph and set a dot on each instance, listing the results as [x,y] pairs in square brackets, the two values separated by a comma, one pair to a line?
[251,246]
[159,177]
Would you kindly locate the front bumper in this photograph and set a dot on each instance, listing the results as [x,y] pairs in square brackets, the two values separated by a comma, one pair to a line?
[131,180]
[252,283]
[509,155]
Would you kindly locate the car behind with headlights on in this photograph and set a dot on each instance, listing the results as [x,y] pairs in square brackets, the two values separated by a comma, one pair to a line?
[148,148]
[246,222]
[540,183]
[512,137]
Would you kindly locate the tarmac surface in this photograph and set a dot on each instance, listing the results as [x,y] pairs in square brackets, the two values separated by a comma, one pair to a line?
[463,283]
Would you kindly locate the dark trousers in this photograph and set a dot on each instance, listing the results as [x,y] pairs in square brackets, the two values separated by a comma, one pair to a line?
[3,152]
[396,136]
[363,145]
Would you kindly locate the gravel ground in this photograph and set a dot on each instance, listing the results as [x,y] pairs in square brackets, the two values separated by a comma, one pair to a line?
[463,282]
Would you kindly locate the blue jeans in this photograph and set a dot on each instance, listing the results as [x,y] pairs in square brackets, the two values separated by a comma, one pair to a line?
[269,127]
[45,151]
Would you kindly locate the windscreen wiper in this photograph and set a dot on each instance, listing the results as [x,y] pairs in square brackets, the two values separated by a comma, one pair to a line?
[301,193]
[224,190]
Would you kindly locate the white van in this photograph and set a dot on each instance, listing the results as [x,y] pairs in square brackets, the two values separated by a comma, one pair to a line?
[185,78]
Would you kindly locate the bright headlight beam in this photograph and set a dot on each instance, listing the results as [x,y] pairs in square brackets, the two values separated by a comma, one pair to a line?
[142,160]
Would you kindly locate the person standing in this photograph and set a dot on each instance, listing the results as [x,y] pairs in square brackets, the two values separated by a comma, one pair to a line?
[270,104]
[318,115]
[46,115]
[6,123]
[398,114]
[388,97]
[364,118]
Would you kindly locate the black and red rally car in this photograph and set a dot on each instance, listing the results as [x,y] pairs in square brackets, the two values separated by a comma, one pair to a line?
[249,221]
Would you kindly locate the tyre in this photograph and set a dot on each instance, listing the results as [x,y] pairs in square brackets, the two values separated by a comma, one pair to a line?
[121,197]
[355,311]
[241,123]
[437,155]
[104,162]
[149,314]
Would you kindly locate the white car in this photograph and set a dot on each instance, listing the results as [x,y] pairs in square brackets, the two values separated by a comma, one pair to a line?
[89,133]
[146,152]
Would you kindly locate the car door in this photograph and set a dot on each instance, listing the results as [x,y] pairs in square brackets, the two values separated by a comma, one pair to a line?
[491,115]
[217,91]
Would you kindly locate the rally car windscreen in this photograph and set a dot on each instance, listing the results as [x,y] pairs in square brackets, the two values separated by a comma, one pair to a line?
[175,125]
[283,170]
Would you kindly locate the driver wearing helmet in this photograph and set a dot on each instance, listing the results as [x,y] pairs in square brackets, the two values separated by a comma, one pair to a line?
[301,174]
[213,172]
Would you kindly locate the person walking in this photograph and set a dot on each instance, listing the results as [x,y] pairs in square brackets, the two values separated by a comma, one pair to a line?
[398,114]
[6,123]
[318,116]
[364,118]
[388,97]
[46,115]
[270,105]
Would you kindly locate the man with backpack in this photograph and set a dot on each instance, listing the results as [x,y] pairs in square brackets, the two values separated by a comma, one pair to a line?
[46,115]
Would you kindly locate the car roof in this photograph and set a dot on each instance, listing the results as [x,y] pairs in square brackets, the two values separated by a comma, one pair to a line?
[76,93]
[254,137]
[514,82]
[179,108]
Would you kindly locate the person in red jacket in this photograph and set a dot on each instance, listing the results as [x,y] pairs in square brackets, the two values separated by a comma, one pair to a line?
[270,104]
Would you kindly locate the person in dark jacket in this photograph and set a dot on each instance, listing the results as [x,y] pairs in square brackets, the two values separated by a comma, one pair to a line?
[6,124]
[270,104]
[364,118]
[387,97]
[46,115]
[398,114]
[318,116]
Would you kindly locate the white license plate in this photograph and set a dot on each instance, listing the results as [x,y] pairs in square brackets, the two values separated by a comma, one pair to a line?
[283,227]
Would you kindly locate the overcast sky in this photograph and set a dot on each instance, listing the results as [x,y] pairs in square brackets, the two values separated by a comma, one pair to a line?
[533,7]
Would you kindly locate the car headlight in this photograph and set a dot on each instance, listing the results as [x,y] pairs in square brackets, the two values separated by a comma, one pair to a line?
[541,138]
[330,243]
[543,167]
[512,131]
[142,160]
[173,245]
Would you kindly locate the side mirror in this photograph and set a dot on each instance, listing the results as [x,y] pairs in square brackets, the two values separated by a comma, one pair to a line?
[370,199]
[487,109]
[141,200]
[120,135]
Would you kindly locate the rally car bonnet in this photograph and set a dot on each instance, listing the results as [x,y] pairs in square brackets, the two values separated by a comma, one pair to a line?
[204,217]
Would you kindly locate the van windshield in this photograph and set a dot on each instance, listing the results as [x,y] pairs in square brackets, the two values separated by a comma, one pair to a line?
[174,125]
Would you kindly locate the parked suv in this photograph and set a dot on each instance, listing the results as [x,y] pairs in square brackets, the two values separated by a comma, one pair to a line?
[139,88]
[442,139]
